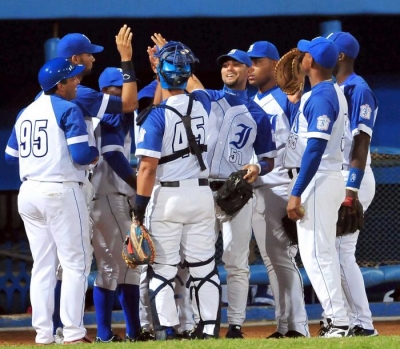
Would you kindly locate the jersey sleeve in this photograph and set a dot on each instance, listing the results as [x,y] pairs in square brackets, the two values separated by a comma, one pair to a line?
[204,98]
[74,126]
[12,148]
[151,134]
[264,144]
[321,115]
[112,138]
[362,110]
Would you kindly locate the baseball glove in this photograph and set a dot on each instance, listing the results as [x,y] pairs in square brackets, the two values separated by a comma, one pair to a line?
[138,247]
[234,193]
[288,75]
[290,228]
[350,217]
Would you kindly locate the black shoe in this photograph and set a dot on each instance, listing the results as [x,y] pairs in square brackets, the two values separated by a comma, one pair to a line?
[276,335]
[234,332]
[323,330]
[358,331]
[114,338]
[294,334]
[145,336]
[129,339]
[187,335]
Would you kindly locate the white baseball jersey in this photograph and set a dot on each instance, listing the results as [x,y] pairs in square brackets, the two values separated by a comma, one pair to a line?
[279,110]
[168,135]
[41,136]
[110,139]
[238,128]
[322,121]
[363,108]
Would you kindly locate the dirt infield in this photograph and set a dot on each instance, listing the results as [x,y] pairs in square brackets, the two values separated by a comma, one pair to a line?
[26,336]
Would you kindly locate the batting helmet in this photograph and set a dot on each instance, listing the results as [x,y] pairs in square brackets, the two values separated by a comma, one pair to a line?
[176,62]
[56,70]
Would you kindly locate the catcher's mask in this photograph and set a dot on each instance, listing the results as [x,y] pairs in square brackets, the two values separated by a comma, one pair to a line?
[176,62]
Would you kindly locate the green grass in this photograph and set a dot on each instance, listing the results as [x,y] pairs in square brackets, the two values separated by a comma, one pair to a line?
[382,342]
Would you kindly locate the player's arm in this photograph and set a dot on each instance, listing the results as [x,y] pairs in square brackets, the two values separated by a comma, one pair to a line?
[129,90]
[11,154]
[194,84]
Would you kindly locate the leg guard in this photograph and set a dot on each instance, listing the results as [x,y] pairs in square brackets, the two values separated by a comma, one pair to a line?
[207,290]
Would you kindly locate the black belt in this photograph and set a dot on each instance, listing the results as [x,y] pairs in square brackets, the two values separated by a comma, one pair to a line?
[175,184]
[215,185]
[290,172]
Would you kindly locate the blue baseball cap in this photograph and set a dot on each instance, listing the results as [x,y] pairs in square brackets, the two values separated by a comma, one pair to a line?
[76,44]
[111,77]
[237,55]
[148,91]
[324,51]
[261,49]
[346,43]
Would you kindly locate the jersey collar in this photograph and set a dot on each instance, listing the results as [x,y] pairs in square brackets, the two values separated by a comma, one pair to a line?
[266,93]
[349,78]
[241,94]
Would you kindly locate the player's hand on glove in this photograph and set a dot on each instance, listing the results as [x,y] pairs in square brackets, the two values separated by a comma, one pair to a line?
[124,43]
[138,214]
[252,173]
[350,216]
[288,75]
[235,193]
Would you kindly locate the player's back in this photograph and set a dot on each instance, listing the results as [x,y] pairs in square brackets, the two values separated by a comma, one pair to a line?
[169,136]
[43,144]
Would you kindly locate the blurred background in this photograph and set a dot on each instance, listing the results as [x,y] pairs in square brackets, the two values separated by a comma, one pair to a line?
[29,33]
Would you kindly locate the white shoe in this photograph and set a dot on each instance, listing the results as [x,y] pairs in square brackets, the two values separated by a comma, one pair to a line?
[335,332]
[59,336]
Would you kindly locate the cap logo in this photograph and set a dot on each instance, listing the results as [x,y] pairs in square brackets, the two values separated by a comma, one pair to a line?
[231,52]
[250,48]
[323,123]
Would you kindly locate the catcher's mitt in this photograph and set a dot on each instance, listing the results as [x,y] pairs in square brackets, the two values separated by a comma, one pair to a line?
[138,247]
[290,228]
[350,217]
[288,75]
[234,193]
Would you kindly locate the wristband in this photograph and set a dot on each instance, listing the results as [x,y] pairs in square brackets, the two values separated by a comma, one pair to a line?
[355,177]
[142,200]
[263,168]
[348,201]
[128,72]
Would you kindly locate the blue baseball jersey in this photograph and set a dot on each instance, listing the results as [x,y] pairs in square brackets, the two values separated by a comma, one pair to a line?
[280,112]
[163,134]
[363,109]
[41,136]
[238,129]
[112,139]
[322,114]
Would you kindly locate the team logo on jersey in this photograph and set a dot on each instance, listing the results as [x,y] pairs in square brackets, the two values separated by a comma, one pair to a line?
[142,132]
[365,111]
[323,123]
[243,136]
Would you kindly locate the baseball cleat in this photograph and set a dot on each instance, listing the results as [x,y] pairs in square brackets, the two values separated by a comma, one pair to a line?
[324,329]
[294,334]
[114,338]
[337,332]
[145,336]
[358,331]
[276,335]
[59,337]
[234,332]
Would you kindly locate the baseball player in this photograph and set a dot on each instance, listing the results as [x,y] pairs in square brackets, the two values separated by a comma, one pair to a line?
[360,181]
[271,199]
[172,171]
[110,211]
[239,127]
[314,155]
[50,140]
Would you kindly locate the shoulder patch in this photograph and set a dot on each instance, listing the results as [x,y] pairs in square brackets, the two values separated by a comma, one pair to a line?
[323,123]
[365,111]
[142,132]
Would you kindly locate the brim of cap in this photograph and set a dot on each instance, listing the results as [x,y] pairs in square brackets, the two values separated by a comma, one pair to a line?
[95,49]
[76,71]
[303,45]
[224,58]
[256,56]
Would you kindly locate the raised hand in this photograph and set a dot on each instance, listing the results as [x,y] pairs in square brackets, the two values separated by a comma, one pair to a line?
[124,43]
